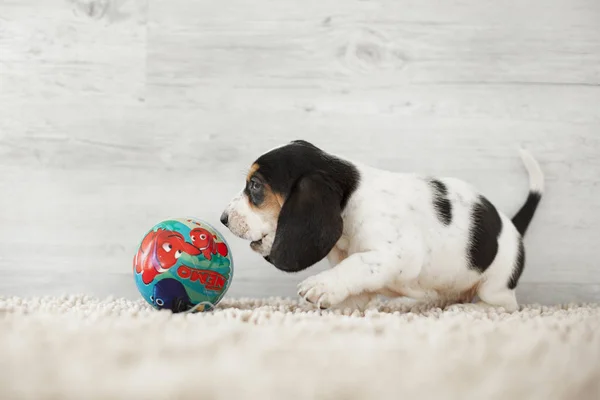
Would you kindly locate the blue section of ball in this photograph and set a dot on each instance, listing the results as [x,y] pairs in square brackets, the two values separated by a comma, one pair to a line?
[183,265]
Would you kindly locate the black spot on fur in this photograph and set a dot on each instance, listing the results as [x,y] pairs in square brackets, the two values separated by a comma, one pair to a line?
[439,187]
[524,216]
[441,202]
[519,265]
[486,226]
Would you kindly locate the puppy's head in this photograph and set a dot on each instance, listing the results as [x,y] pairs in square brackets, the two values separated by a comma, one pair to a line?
[290,208]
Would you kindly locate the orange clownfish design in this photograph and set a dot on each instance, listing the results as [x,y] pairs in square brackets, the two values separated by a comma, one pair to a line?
[159,251]
[206,243]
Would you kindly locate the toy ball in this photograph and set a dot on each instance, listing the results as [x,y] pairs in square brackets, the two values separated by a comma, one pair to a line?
[183,265]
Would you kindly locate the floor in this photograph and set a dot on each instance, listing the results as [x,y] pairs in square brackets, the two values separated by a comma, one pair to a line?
[257,348]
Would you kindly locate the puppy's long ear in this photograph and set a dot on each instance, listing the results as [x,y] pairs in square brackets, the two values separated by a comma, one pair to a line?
[309,225]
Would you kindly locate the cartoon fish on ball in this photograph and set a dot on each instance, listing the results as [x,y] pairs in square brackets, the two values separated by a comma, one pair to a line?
[206,242]
[159,251]
[170,294]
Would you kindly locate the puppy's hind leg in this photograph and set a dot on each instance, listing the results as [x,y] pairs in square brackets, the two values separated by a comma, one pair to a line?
[491,293]
[499,285]
[494,297]
[497,288]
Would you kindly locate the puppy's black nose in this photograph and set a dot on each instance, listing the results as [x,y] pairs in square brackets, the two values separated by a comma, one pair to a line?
[224,218]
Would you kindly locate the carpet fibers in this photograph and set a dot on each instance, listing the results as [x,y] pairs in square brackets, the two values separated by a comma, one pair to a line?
[81,348]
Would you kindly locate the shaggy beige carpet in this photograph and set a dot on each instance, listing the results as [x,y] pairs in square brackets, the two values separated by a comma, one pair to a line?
[81,348]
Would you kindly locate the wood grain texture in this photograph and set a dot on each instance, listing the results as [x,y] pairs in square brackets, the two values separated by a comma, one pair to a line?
[115,115]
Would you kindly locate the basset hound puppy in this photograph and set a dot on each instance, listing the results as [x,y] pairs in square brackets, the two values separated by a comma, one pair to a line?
[384,233]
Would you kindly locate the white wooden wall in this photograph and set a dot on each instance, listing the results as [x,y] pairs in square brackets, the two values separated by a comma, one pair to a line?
[117,114]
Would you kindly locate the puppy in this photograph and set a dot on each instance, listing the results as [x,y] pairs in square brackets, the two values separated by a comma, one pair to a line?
[384,233]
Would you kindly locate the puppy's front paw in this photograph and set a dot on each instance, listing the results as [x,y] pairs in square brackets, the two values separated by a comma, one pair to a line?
[322,290]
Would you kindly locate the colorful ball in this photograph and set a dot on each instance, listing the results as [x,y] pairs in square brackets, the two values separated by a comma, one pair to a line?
[183,265]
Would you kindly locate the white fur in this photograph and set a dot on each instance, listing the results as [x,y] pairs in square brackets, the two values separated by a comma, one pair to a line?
[245,222]
[394,244]
[536,176]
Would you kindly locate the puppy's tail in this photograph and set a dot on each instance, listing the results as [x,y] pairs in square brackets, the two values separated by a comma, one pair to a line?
[524,216]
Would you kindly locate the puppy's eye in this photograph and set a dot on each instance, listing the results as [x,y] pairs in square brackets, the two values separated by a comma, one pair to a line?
[255,185]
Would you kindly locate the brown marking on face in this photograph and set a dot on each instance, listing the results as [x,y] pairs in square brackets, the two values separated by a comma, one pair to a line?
[279,199]
[255,167]
[270,207]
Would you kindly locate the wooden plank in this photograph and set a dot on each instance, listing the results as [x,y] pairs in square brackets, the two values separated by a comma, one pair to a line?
[103,195]
[384,44]
[72,52]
